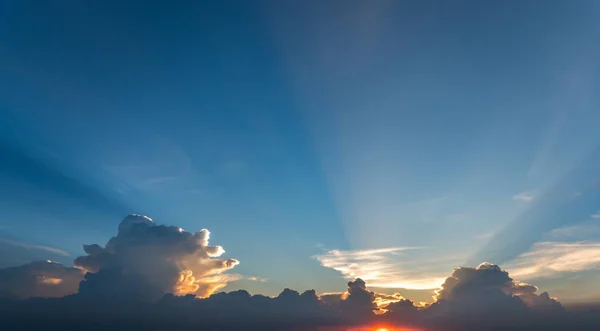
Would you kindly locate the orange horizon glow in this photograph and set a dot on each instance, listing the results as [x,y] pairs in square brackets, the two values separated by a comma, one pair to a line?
[376,327]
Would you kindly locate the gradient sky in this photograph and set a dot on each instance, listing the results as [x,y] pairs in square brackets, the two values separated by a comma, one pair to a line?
[391,140]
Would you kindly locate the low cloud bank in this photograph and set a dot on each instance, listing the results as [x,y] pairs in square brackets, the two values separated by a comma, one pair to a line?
[481,298]
[39,279]
[156,277]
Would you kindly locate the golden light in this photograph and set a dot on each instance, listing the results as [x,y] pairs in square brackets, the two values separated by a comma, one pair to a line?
[383,329]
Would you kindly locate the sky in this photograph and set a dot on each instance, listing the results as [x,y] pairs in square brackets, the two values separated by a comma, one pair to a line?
[317,141]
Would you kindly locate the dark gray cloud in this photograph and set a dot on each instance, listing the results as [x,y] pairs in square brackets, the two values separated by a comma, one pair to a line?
[487,292]
[359,303]
[39,279]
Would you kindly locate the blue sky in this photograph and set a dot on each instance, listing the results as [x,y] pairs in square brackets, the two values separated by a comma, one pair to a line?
[304,135]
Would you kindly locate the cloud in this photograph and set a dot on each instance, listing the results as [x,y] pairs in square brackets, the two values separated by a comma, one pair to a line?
[383,300]
[359,303]
[39,279]
[595,216]
[152,260]
[481,298]
[150,276]
[526,196]
[547,259]
[385,267]
[487,292]
[34,246]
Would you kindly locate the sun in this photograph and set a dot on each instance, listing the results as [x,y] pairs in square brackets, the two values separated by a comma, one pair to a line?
[382,329]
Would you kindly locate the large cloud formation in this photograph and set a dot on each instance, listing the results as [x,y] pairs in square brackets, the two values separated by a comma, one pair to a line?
[152,260]
[481,298]
[161,277]
[487,292]
[143,261]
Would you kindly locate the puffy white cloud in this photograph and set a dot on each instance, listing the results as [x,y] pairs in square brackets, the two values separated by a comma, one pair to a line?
[39,279]
[166,259]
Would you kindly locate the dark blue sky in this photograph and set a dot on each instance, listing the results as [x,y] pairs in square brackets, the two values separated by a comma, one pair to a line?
[290,129]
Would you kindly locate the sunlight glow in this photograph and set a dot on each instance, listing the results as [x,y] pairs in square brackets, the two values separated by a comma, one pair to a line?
[391,267]
[51,281]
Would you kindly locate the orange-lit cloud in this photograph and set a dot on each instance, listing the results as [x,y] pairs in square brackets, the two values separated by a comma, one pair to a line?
[51,280]
[166,258]
[392,267]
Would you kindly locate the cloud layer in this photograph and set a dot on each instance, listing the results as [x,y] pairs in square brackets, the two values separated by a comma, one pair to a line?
[482,298]
[40,278]
[152,276]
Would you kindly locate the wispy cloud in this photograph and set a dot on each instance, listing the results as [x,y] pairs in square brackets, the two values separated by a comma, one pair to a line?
[526,196]
[385,267]
[34,246]
[596,216]
[258,279]
[548,259]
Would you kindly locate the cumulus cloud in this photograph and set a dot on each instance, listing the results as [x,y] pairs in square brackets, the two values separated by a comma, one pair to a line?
[152,260]
[39,279]
[391,267]
[359,304]
[487,291]
[547,259]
